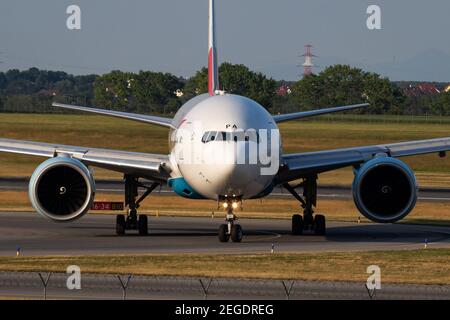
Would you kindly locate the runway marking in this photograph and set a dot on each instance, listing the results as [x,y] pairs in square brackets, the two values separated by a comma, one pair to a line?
[434,199]
[274,235]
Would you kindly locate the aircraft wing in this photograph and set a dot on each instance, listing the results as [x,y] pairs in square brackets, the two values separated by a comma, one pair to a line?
[150,166]
[312,113]
[160,121]
[295,166]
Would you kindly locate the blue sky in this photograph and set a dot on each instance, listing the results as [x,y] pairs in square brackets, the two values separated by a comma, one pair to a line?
[267,35]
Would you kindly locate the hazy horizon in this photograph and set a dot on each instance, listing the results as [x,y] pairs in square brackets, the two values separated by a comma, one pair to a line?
[267,36]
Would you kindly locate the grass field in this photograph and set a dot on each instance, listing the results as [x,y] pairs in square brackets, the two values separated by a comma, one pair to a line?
[104,132]
[426,266]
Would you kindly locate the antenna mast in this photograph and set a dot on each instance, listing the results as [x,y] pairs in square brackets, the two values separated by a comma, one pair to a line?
[308,65]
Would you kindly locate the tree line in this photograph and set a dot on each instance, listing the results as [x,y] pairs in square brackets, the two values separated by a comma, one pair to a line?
[33,91]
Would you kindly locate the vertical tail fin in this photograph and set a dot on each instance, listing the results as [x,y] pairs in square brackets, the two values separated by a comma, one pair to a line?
[213,69]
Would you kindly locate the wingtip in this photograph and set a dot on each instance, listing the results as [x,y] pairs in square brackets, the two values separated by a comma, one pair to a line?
[361,105]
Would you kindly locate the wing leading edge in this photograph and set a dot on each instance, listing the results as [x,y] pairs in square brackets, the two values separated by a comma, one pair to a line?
[318,112]
[160,121]
[150,166]
[295,166]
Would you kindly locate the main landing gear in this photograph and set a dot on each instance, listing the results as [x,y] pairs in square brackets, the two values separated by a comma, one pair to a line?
[309,221]
[230,229]
[132,221]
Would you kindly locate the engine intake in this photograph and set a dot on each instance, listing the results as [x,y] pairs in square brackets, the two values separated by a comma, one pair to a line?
[62,189]
[385,190]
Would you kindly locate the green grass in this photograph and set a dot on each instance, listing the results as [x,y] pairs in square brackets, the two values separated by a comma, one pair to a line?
[426,266]
[385,118]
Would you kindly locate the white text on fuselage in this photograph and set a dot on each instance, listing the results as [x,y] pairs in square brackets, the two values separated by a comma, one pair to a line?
[192,144]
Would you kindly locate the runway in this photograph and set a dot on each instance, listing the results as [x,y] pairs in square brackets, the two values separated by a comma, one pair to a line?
[324,191]
[93,234]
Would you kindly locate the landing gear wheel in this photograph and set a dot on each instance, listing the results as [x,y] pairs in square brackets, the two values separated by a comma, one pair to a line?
[319,225]
[236,233]
[143,225]
[120,225]
[223,233]
[297,225]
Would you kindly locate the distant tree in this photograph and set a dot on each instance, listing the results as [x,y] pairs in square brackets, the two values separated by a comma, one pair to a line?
[383,96]
[196,85]
[344,85]
[64,87]
[12,75]
[3,82]
[144,92]
[441,105]
[113,90]
[283,104]
[156,91]
[400,100]
[33,90]
[310,93]
[236,79]
[19,103]
[84,84]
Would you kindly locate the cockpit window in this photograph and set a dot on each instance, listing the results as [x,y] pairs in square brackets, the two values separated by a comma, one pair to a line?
[236,136]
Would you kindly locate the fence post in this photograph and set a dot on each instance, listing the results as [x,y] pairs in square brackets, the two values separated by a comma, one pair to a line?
[45,282]
[371,292]
[205,287]
[124,285]
[288,288]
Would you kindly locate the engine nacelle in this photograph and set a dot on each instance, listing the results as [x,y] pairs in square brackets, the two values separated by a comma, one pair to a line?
[62,189]
[385,189]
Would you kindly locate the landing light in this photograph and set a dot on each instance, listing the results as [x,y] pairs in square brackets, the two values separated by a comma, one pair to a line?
[235,205]
[225,205]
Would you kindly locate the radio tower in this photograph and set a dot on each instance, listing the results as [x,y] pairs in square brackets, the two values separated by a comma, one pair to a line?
[308,65]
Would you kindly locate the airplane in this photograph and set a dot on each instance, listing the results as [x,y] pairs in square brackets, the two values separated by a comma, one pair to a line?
[208,136]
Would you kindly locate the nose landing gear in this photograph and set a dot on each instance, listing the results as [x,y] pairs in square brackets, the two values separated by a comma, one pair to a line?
[230,229]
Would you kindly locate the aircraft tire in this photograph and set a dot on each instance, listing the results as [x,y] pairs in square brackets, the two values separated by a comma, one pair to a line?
[320,225]
[223,233]
[143,225]
[297,225]
[120,225]
[236,233]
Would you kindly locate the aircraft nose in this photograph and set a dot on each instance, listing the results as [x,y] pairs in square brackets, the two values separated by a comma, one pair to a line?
[228,168]
[239,174]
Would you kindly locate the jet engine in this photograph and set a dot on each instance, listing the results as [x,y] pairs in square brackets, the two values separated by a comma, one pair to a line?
[385,189]
[62,189]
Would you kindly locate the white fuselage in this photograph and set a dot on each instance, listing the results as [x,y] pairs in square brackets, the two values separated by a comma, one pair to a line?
[215,144]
